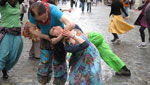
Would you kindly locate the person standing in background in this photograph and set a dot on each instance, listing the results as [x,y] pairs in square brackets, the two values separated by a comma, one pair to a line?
[89,5]
[126,6]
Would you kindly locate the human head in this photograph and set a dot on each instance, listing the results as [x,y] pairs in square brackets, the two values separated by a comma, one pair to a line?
[56,31]
[39,11]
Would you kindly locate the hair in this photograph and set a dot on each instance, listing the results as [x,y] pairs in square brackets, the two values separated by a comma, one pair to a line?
[51,2]
[12,3]
[3,2]
[116,1]
[59,51]
[39,7]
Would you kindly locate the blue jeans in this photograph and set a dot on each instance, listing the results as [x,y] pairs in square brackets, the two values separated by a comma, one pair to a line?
[82,6]
[126,10]
[89,6]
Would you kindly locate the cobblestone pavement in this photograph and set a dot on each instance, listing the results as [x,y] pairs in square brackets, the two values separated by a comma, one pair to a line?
[137,60]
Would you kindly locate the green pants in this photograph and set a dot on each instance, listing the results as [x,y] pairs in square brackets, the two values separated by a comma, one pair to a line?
[105,52]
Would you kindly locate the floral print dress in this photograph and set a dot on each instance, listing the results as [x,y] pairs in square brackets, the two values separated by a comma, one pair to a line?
[85,65]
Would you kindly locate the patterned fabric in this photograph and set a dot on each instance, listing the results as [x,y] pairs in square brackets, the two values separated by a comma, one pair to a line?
[14,31]
[87,69]
[45,69]
[118,25]
[26,32]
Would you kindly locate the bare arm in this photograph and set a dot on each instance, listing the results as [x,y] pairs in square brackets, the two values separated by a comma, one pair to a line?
[68,25]
[34,32]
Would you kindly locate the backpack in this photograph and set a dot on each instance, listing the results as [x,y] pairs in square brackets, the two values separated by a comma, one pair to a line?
[126,1]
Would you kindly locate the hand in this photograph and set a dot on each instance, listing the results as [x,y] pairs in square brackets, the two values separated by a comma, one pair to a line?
[67,33]
[127,17]
[70,10]
[136,9]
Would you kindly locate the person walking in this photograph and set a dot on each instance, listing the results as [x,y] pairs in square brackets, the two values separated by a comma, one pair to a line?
[82,3]
[11,43]
[89,5]
[126,6]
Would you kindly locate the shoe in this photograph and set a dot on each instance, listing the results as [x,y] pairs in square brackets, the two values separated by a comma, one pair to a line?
[5,75]
[123,73]
[141,46]
[115,40]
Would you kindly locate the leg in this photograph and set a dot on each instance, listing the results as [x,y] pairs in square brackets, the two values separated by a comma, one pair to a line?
[4,53]
[16,46]
[31,52]
[60,73]
[106,53]
[141,30]
[82,7]
[126,9]
[115,37]
[37,49]
[16,51]
[142,34]
[148,25]
[87,7]
[90,6]
[45,67]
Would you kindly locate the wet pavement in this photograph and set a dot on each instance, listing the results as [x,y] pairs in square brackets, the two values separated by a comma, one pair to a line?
[137,60]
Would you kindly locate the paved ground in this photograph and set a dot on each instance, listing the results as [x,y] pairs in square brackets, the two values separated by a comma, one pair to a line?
[137,60]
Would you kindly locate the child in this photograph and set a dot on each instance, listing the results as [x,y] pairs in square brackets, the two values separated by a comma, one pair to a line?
[35,48]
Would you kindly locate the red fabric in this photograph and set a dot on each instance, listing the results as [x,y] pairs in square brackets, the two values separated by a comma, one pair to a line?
[49,14]
[45,0]
[147,1]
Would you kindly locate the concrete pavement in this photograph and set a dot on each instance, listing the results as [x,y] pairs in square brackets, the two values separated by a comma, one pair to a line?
[137,60]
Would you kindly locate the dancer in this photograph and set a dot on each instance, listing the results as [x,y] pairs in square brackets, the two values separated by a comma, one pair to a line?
[11,43]
[117,24]
[45,16]
[106,53]
[141,21]
[85,60]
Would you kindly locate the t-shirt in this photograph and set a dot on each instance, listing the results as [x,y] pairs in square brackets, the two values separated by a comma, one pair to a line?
[116,8]
[55,20]
[10,16]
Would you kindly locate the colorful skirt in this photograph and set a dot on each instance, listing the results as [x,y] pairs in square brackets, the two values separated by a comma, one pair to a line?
[26,32]
[118,25]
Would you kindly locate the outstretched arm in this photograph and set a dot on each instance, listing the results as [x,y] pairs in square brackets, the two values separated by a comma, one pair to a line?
[34,32]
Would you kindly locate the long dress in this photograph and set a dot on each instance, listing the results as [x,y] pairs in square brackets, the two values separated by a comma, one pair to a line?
[85,65]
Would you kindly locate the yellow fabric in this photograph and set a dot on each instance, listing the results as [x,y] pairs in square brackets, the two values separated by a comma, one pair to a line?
[118,25]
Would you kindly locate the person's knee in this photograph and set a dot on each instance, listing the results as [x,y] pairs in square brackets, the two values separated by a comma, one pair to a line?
[141,29]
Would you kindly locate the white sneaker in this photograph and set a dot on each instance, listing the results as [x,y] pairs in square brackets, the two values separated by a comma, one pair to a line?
[142,46]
